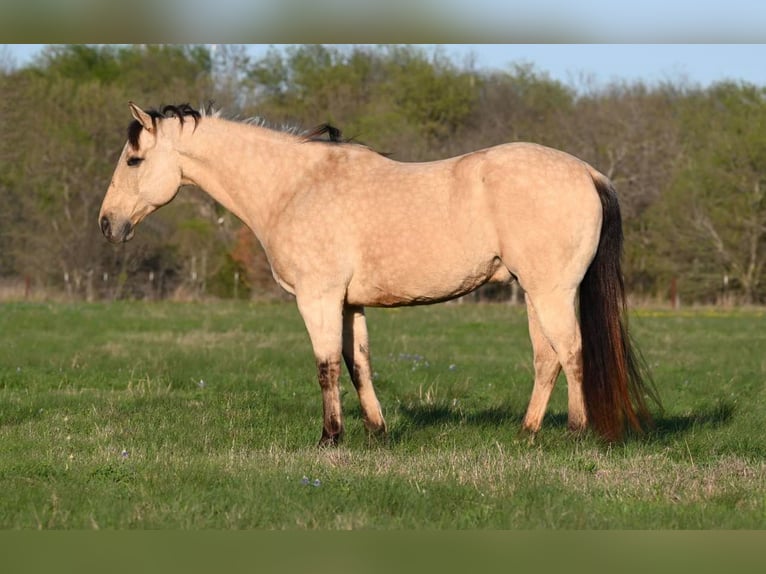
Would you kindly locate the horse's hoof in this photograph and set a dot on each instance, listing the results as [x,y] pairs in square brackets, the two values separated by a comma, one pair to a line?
[375,428]
[328,441]
[577,430]
[528,435]
[377,437]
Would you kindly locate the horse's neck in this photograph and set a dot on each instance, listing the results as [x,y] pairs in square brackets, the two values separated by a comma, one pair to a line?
[248,170]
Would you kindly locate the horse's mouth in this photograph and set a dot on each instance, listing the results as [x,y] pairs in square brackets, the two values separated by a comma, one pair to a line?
[117,233]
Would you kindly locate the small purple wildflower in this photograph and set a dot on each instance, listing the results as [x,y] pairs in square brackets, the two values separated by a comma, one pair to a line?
[305,481]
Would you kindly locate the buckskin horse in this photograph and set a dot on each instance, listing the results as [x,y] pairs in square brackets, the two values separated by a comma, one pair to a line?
[345,227]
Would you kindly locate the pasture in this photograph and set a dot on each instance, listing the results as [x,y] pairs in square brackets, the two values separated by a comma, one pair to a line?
[192,416]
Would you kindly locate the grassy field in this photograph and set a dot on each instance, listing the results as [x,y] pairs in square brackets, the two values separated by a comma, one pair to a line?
[192,416]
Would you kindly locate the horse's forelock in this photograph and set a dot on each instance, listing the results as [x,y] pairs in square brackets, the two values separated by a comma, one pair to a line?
[134,131]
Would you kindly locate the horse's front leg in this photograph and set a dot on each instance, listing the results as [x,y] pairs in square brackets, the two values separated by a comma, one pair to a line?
[323,317]
[356,353]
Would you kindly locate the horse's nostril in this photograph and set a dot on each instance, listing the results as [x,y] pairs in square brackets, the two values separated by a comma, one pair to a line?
[106,227]
[127,231]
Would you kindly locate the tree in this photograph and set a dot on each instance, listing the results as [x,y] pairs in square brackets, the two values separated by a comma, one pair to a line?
[521,104]
[631,133]
[397,99]
[432,94]
[687,163]
[167,73]
[718,196]
[64,126]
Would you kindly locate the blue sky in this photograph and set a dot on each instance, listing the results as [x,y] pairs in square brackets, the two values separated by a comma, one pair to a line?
[693,63]
[652,63]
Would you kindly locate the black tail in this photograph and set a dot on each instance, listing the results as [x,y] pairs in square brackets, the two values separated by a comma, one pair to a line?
[615,381]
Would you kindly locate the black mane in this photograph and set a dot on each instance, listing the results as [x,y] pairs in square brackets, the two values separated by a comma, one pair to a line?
[180,111]
[334,136]
[323,133]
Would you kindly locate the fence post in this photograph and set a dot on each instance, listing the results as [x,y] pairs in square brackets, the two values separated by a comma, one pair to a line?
[675,301]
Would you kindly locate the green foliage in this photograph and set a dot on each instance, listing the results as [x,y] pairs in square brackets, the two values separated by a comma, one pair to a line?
[191,416]
[230,280]
[688,163]
[149,70]
[433,94]
[717,197]
[379,95]
[64,127]
[314,83]
[524,104]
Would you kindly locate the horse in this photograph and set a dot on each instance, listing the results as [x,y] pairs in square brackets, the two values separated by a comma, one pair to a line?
[345,227]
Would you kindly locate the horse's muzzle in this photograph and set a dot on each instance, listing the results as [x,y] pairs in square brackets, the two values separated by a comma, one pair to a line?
[116,234]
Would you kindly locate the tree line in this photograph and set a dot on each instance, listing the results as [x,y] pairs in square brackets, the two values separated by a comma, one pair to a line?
[688,162]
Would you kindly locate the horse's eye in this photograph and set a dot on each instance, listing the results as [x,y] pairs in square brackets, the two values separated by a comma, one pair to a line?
[134,161]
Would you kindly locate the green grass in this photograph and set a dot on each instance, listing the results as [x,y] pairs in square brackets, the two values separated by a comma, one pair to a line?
[195,416]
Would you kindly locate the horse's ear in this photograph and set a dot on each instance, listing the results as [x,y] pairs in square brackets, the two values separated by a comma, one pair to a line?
[141,117]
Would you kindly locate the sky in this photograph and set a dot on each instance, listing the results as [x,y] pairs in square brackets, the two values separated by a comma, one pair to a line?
[695,64]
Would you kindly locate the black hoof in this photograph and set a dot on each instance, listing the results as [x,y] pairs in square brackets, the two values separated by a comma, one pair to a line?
[329,440]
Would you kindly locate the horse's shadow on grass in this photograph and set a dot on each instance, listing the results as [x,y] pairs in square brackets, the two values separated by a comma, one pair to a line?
[710,416]
[663,426]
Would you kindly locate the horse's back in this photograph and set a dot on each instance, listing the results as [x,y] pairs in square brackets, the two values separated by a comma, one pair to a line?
[450,226]
[404,233]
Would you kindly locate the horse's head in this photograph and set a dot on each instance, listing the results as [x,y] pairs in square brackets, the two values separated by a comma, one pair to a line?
[147,176]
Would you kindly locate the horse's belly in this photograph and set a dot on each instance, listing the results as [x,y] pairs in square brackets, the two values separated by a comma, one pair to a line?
[400,286]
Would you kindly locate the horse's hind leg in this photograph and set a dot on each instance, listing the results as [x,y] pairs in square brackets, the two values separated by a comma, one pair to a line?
[356,353]
[556,317]
[547,369]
